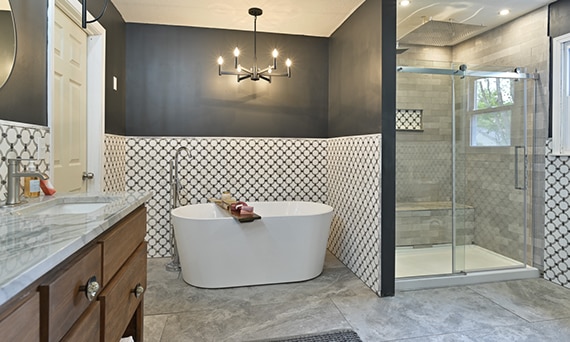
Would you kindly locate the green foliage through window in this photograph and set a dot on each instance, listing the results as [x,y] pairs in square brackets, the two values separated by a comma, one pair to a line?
[492,128]
[493,93]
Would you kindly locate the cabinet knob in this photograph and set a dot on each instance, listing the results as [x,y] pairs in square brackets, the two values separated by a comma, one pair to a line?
[138,290]
[91,288]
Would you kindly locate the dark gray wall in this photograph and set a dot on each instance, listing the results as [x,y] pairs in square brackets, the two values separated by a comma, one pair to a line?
[355,99]
[24,96]
[7,47]
[115,59]
[173,87]
[388,168]
[559,18]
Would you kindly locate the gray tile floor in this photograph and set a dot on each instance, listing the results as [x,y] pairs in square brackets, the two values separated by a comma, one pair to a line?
[525,310]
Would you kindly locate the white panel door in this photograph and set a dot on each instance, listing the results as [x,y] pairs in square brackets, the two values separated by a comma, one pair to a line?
[70,105]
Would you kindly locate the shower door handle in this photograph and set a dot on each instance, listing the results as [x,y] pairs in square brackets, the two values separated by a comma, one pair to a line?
[524,168]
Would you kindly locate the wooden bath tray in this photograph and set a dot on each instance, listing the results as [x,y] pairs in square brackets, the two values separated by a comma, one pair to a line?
[240,218]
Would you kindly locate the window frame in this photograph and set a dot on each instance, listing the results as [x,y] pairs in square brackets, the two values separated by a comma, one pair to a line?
[561,95]
[474,112]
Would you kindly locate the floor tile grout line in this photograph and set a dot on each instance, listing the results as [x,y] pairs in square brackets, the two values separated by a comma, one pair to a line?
[498,304]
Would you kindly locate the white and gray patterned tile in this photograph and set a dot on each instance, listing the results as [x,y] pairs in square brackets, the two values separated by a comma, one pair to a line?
[114,163]
[354,192]
[557,221]
[252,169]
[22,141]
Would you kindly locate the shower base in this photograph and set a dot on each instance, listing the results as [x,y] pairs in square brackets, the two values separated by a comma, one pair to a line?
[418,268]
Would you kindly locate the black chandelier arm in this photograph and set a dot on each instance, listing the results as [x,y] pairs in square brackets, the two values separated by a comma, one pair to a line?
[244,77]
[84,20]
[285,74]
[233,73]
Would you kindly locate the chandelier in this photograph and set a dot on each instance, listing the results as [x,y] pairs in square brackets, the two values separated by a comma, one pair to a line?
[255,73]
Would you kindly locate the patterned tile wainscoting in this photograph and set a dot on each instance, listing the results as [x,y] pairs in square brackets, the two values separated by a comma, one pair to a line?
[354,190]
[557,218]
[19,140]
[253,169]
[115,167]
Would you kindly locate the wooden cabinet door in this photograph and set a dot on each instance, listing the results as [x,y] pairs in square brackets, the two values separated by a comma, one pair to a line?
[119,303]
[23,324]
[63,300]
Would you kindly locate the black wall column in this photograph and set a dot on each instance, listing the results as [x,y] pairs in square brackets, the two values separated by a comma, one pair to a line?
[388,183]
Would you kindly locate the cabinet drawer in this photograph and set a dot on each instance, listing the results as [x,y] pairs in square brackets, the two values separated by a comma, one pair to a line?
[63,300]
[23,324]
[118,301]
[121,242]
[88,326]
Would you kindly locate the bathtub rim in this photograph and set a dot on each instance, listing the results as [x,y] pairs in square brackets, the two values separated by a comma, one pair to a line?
[226,216]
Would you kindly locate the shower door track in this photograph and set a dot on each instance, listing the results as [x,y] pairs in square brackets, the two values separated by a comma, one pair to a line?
[463,71]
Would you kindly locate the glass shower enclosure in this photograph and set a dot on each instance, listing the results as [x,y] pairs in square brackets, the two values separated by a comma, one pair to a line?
[462,168]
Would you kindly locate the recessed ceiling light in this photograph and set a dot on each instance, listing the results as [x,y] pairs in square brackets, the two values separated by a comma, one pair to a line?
[404,3]
[504,12]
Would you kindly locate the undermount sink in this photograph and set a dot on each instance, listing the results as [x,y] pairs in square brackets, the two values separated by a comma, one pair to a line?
[70,208]
[65,206]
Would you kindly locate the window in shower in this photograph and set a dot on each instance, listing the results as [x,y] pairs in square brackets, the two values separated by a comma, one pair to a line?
[491,116]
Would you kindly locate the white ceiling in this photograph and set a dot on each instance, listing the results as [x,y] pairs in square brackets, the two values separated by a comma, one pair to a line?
[312,17]
[303,17]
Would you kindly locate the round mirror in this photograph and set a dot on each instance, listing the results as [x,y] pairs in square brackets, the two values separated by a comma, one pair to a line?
[7,41]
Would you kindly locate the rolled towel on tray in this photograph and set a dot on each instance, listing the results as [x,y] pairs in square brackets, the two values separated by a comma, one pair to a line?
[242,208]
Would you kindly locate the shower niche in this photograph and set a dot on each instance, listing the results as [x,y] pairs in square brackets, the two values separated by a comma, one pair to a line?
[463,179]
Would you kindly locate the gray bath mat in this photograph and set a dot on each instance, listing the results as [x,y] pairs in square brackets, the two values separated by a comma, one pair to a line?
[331,336]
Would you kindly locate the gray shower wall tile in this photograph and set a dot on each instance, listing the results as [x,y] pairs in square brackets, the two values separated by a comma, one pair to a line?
[423,170]
[432,226]
[19,140]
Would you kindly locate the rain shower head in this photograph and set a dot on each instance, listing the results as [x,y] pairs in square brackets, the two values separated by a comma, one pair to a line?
[441,33]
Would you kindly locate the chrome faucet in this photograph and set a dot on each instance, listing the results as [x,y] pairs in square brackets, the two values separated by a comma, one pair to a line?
[13,184]
[174,264]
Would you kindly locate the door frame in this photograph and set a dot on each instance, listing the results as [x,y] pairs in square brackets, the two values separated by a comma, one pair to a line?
[95,87]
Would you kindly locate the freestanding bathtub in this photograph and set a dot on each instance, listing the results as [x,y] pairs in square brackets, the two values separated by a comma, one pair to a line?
[287,244]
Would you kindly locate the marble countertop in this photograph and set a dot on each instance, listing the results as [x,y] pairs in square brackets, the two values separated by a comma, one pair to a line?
[33,241]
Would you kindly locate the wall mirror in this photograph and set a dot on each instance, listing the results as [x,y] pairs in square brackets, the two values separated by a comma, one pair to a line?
[7,41]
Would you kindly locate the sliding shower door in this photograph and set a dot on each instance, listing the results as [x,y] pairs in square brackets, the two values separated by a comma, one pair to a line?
[461,169]
[427,243]
[492,173]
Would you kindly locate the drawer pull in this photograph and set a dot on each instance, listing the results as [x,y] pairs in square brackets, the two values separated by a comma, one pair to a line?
[138,290]
[91,288]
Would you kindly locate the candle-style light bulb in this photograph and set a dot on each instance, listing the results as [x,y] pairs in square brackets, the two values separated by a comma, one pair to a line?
[236,55]
[275,53]
[288,63]
[220,62]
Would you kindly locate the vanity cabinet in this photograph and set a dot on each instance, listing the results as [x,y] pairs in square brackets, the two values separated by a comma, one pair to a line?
[65,297]
[94,295]
[22,324]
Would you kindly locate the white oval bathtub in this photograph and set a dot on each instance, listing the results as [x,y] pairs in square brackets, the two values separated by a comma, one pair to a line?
[287,244]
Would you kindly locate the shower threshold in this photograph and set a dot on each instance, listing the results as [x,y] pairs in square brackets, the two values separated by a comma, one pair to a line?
[420,268]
